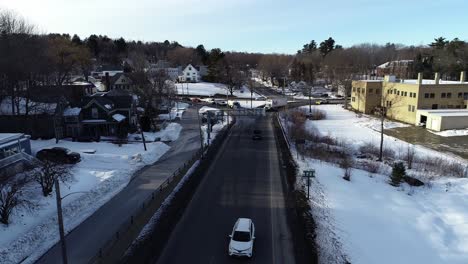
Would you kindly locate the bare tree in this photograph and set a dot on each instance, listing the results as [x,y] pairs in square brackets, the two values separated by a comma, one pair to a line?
[11,23]
[410,155]
[10,198]
[48,172]
[389,101]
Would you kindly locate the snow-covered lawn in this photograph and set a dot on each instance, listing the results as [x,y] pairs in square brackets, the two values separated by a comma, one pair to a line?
[371,221]
[100,176]
[210,89]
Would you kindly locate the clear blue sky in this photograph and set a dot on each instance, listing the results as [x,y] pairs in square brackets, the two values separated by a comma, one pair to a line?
[252,25]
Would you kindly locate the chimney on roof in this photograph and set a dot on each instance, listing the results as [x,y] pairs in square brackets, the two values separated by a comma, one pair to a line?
[390,78]
[420,77]
[462,76]
[437,78]
[107,82]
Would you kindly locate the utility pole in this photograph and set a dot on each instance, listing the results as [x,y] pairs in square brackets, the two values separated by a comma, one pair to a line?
[60,222]
[310,100]
[199,129]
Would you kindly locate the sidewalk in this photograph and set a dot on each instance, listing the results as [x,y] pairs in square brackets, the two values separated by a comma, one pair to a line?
[85,240]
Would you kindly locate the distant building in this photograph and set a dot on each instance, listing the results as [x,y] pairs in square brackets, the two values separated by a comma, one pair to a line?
[409,100]
[402,69]
[190,74]
[110,113]
[15,150]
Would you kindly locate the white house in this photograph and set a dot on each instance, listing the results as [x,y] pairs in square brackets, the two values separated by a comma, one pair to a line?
[190,74]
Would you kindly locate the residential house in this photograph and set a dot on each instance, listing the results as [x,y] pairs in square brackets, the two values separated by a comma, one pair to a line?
[110,113]
[409,100]
[162,65]
[190,74]
[402,69]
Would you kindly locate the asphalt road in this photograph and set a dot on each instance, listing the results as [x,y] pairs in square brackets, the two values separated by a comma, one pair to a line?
[86,239]
[243,181]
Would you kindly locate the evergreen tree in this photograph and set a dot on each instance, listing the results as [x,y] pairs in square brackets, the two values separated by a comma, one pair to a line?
[327,46]
[121,45]
[398,173]
[76,40]
[439,43]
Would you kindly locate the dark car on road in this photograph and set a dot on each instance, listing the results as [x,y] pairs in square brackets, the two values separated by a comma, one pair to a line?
[58,155]
[257,134]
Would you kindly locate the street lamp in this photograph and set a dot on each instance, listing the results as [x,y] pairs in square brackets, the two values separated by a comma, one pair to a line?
[60,219]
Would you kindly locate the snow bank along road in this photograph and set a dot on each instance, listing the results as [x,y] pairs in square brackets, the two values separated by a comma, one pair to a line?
[86,239]
[243,181]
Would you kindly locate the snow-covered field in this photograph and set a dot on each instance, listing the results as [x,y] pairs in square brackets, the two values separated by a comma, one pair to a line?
[371,221]
[98,177]
[210,89]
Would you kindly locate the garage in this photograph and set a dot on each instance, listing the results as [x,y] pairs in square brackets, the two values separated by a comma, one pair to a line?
[442,119]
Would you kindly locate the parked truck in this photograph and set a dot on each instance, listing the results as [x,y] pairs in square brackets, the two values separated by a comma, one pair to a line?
[276,102]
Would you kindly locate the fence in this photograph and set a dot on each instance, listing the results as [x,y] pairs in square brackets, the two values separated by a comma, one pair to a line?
[149,248]
[299,212]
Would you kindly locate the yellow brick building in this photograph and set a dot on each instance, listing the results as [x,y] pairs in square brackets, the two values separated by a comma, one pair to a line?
[403,98]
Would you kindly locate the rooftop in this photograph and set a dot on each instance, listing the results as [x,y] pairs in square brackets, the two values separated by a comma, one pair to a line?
[6,137]
[243,224]
[446,112]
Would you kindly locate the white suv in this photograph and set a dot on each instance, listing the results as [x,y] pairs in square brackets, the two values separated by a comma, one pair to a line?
[242,238]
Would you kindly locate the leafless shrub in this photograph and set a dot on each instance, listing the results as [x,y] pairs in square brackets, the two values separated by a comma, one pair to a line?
[346,164]
[48,173]
[316,114]
[370,166]
[439,166]
[10,198]
[410,155]
[373,150]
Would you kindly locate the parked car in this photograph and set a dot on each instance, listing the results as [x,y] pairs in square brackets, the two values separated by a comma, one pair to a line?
[257,134]
[58,155]
[242,238]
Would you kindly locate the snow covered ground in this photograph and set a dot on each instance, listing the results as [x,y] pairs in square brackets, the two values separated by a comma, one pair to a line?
[452,133]
[210,89]
[371,221]
[98,177]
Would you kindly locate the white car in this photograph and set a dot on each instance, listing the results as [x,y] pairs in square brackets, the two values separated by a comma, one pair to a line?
[242,238]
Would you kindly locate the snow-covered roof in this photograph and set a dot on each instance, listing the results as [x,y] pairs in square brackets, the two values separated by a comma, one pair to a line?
[4,137]
[427,81]
[446,112]
[118,117]
[395,63]
[72,111]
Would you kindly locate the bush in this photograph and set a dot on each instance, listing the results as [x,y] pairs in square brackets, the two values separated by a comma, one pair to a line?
[10,198]
[370,166]
[373,150]
[398,173]
[316,114]
[439,166]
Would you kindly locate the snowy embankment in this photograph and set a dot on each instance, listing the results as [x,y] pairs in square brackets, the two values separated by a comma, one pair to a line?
[210,89]
[452,133]
[97,178]
[371,221]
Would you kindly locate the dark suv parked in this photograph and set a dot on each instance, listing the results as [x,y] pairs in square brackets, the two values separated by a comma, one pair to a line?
[58,155]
